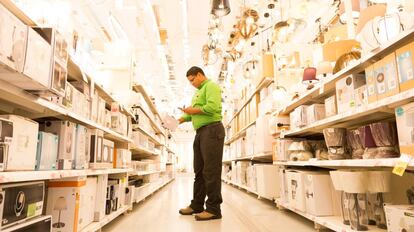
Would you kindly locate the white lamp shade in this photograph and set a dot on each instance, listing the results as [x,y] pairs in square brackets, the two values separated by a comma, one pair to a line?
[370,13]
[379,181]
[61,204]
[324,67]
[355,9]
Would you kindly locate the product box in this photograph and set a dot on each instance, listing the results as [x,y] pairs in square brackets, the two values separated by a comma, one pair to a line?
[69,100]
[263,139]
[268,185]
[405,63]
[399,217]
[296,189]
[6,138]
[101,111]
[22,150]
[94,104]
[345,91]
[122,158]
[386,75]
[63,203]
[47,151]
[298,117]
[281,150]
[39,224]
[250,140]
[66,131]
[405,128]
[129,195]
[251,178]
[279,123]
[241,172]
[96,149]
[20,202]
[100,200]
[108,152]
[361,96]
[253,109]
[82,148]
[371,84]
[284,191]
[318,193]
[315,113]
[330,106]
[12,44]
[87,202]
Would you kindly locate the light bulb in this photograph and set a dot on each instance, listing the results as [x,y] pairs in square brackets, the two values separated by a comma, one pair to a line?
[249,20]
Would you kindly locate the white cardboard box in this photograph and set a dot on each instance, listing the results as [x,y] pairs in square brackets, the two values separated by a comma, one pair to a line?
[318,193]
[22,151]
[399,218]
[315,113]
[330,106]
[298,117]
[47,151]
[296,190]
[63,203]
[250,138]
[263,139]
[345,91]
[284,191]
[405,127]
[100,200]
[66,131]
[268,185]
[82,148]
[87,202]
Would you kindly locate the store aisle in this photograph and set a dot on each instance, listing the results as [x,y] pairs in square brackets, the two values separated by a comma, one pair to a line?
[241,212]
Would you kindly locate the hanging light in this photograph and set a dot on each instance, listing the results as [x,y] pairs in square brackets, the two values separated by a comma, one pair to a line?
[220,8]
[309,77]
[355,10]
[248,24]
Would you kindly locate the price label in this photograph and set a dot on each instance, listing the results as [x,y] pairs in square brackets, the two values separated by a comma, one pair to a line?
[402,164]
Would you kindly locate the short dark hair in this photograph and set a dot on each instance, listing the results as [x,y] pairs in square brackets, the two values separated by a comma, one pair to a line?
[194,71]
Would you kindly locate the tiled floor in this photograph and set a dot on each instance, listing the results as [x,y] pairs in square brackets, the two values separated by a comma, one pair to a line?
[241,212]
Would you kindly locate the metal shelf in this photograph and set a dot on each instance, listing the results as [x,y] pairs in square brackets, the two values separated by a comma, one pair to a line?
[327,87]
[259,157]
[143,173]
[142,151]
[351,163]
[239,134]
[155,125]
[265,82]
[20,176]
[140,89]
[376,111]
[155,140]
[95,226]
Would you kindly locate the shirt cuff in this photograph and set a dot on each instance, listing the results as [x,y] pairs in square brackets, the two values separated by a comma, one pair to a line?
[186,117]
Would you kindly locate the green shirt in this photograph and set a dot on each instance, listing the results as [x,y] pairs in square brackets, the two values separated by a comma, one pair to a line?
[208,99]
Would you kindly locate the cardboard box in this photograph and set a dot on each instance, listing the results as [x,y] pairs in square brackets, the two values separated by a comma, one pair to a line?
[66,131]
[361,96]
[47,151]
[97,160]
[82,148]
[122,158]
[284,191]
[253,110]
[330,106]
[251,177]
[263,139]
[345,91]
[371,84]
[101,111]
[296,189]
[318,193]
[281,150]
[63,203]
[268,185]
[405,128]
[250,140]
[298,117]
[100,200]
[241,172]
[399,217]
[12,44]
[23,147]
[87,202]
[108,152]
[386,75]
[405,63]
[315,113]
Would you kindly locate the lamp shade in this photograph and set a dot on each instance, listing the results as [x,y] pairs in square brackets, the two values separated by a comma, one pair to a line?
[324,67]
[333,50]
[370,13]
[309,75]
[355,10]
[61,204]
[220,7]
[366,137]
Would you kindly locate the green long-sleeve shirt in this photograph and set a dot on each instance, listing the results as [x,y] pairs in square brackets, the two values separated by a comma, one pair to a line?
[208,99]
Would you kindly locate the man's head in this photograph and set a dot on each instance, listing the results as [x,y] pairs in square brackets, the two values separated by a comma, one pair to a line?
[196,76]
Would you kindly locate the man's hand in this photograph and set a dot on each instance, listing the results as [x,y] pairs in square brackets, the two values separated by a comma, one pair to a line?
[181,120]
[191,110]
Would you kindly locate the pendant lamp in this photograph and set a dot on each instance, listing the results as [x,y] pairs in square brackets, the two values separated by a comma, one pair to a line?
[324,68]
[220,8]
[309,77]
[248,24]
[355,10]
[370,13]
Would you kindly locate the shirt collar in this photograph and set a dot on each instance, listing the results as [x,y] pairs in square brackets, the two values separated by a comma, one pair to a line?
[203,83]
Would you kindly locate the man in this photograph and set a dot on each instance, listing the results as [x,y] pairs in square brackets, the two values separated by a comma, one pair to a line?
[205,114]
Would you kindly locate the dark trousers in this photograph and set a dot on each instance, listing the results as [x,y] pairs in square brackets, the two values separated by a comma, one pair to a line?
[208,155]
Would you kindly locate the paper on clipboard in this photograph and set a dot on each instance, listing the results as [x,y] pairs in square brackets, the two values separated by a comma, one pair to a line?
[170,123]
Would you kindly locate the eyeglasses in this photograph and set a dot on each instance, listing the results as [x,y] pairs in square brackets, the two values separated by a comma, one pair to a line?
[192,79]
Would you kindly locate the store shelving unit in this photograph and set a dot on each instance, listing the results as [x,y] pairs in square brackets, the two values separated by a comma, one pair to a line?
[263,84]
[322,90]
[234,184]
[19,176]
[330,222]
[142,151]
[150,136]
[259,157]
[95,226]
[143,173]
[239,134]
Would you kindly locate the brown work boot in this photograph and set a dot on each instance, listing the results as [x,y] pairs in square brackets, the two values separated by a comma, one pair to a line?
[188,211]
[204,216]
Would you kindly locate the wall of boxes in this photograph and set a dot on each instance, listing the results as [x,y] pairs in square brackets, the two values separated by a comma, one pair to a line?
[342,152]
[69,153]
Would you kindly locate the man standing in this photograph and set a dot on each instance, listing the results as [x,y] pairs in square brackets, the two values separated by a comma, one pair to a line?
[205,114]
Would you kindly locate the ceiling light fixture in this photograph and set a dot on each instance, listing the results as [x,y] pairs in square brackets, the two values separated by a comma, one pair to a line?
[220,8]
